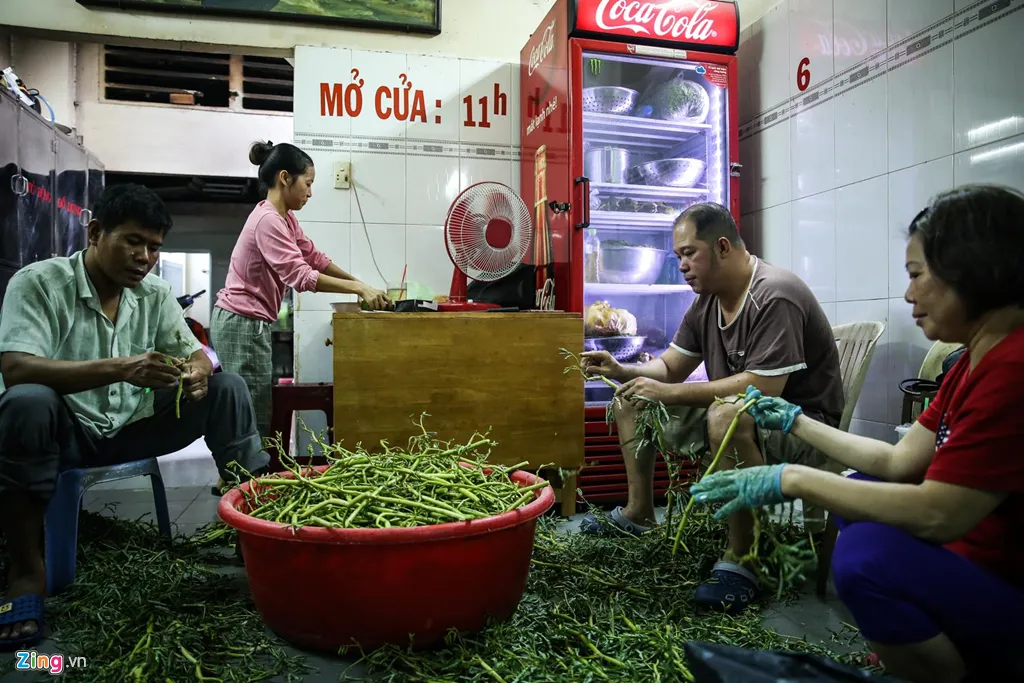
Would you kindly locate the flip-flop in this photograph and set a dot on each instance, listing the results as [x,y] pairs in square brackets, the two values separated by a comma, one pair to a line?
[17,610]
[591,525]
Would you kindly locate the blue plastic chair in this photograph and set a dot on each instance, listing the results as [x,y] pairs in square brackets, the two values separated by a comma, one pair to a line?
[61,523]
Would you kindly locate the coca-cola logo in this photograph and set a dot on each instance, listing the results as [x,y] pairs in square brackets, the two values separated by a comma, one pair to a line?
[543,49]
[671,19]
[690,23]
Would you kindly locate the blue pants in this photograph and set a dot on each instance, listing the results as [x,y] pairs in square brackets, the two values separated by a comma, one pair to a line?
[903,590]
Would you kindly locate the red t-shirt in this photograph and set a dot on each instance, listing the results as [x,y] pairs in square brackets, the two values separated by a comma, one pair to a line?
[979,438]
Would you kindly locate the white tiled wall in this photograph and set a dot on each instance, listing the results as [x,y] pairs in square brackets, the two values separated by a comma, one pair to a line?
[906,98]
[405,175]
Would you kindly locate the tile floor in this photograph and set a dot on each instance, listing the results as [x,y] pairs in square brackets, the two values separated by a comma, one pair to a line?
[193,507]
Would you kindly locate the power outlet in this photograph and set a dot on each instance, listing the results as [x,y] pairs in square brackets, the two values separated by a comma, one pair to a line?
[342,175]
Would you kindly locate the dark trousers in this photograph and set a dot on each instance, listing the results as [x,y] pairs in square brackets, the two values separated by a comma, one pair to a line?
[40,436]
[903,590]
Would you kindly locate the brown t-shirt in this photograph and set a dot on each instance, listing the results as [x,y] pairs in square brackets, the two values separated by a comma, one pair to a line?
[779,330]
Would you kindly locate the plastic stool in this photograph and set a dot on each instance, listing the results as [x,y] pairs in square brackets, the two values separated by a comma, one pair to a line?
[285,400]
[62,514]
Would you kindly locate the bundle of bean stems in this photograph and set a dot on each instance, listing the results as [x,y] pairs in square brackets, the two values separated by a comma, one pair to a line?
[182,365]
[792,560]
[651,417]
[429,482]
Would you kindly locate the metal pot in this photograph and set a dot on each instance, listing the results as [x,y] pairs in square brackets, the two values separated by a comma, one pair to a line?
[606,165]
[630,265]
[668,173]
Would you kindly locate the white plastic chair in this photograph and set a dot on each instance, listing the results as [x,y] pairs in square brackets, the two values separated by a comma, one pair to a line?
[856,343]
[931,366]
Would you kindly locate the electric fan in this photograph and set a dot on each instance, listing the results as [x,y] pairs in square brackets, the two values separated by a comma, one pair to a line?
[487,233]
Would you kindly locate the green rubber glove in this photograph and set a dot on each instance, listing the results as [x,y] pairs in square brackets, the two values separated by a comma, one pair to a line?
[771,412]
[744,489]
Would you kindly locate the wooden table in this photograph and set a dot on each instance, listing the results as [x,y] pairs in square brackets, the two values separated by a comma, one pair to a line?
[470,372]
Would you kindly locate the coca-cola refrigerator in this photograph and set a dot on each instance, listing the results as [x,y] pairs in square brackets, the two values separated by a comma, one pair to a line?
[628,116]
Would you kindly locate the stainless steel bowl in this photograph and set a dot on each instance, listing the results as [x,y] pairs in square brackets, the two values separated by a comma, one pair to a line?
[668,173]
[621,348]
[606,165]
[630,265]
[609,100]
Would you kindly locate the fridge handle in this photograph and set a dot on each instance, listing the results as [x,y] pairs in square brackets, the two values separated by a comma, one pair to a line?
[85,217]
[585,202]
[19,185]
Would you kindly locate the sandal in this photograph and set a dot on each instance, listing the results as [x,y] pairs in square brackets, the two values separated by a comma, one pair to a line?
[17,610]
[591,525]
[731,588]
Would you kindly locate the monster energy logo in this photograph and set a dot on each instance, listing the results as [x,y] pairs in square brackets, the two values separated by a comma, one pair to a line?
[595,66]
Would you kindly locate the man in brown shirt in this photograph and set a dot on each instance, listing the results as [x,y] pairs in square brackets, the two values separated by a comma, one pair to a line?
[752,324]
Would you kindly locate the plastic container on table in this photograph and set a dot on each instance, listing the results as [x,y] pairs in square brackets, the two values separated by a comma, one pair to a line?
[323,589]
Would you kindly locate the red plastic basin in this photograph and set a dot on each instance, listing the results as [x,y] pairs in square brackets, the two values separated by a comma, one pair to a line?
[323,589]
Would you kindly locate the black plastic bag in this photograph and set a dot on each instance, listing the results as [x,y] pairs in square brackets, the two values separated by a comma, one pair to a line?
[712,663]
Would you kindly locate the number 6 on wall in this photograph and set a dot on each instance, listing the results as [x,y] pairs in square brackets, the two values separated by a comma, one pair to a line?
[803,74]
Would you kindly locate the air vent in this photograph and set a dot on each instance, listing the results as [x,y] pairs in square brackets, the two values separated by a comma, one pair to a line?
[197,79]
[147,75]
[186,188]
[267,83]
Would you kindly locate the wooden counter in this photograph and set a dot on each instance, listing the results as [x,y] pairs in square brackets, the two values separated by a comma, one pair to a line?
[470,372]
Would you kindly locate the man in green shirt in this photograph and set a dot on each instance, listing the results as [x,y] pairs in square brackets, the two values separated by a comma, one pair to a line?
[91,350]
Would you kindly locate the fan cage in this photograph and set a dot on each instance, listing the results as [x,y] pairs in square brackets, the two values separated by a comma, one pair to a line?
[467,225]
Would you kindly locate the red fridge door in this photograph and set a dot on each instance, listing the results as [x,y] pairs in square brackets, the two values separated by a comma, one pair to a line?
[545,166]
[654,131]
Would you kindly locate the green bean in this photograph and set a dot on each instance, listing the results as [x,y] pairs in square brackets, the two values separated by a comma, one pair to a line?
[427,482]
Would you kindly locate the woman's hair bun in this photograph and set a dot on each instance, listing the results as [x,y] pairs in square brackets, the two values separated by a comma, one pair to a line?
[259,151]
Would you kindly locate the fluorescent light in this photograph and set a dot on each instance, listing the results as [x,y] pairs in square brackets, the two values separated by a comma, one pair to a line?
[996,130]
[997,153]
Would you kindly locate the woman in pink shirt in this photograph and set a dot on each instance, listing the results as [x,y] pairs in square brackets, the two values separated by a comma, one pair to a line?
[272,253]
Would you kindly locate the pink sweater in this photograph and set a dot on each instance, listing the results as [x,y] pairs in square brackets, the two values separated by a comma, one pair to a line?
[272,253]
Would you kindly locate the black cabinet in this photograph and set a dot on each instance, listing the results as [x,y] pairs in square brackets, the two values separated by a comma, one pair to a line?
[96,180]
[47,183]
[10,184]
[70,217]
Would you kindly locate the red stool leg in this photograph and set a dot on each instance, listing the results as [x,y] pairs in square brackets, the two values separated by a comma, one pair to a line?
[289,398]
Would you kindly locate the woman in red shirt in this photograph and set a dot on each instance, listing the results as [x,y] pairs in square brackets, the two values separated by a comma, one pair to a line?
[930,558]
[273,253]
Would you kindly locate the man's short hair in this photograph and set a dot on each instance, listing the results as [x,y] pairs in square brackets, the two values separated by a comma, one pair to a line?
[713,222]
[131,203]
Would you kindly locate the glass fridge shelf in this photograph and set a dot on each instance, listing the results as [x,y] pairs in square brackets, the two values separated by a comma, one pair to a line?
[605,289]
[651,192]
[637,132]
[625,220]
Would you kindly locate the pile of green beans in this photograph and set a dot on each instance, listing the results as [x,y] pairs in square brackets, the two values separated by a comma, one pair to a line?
[429,482]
